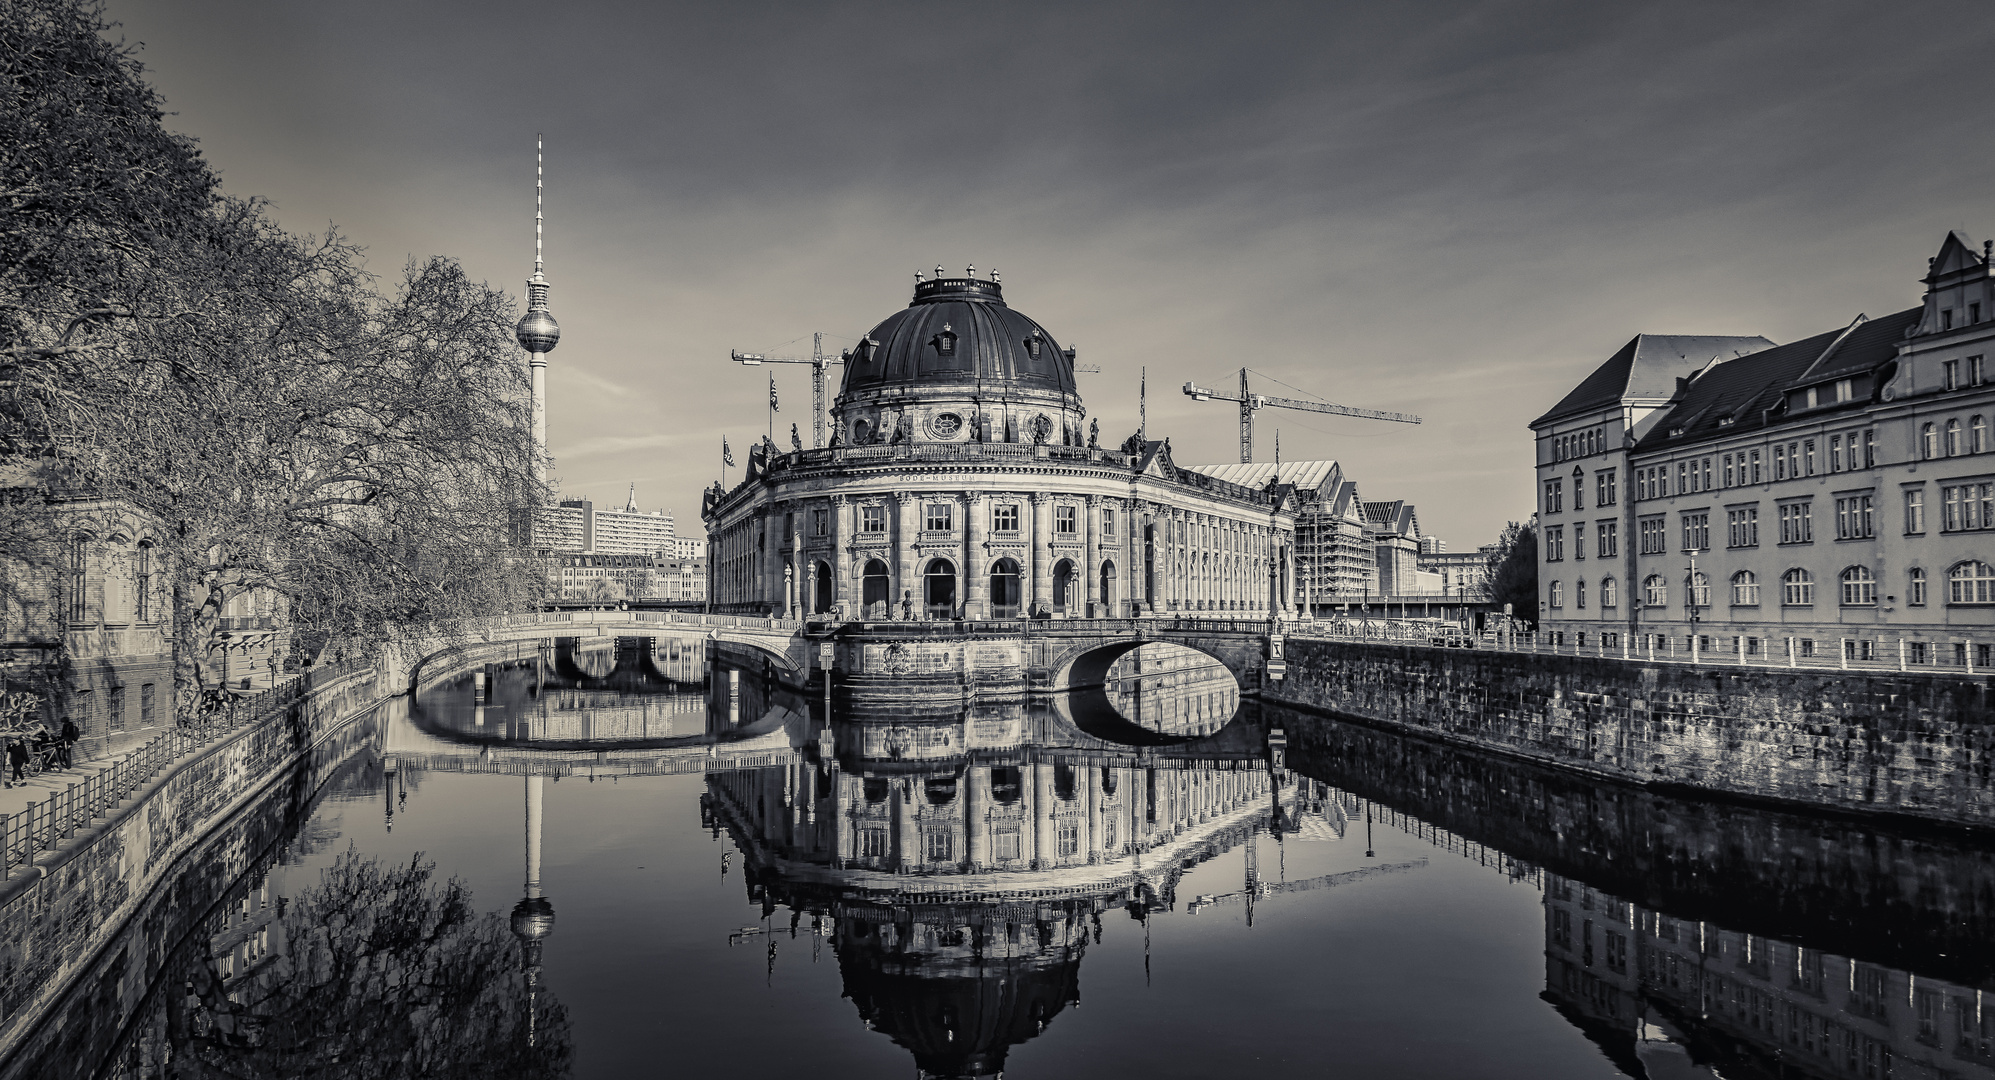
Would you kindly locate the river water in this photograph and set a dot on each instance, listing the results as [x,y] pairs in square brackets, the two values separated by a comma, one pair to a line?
[636,861]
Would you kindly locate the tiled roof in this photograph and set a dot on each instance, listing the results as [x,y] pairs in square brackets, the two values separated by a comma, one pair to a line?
[1647,368]
[1743,390]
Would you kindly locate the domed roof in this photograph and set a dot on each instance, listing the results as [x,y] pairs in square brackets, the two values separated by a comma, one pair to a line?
[958,332]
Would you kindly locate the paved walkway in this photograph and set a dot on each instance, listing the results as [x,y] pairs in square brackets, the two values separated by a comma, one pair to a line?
[38,787]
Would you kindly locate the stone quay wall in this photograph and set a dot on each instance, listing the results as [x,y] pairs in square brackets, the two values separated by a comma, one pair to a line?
[57,914]
[1912,744]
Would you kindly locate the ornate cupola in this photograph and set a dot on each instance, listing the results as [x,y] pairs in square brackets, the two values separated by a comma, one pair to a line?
[959,365]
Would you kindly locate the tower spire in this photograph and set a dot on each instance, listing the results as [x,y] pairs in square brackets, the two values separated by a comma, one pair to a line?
[537,331]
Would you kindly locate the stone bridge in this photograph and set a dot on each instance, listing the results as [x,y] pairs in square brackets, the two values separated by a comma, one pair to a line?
[1031,656]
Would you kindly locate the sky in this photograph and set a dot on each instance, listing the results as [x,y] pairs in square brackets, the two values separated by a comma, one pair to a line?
[1450,209]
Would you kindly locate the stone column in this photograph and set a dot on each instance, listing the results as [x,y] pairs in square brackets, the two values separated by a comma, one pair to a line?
[800,565]
[841,556]
[907,526]
[1091,558]
[907,846]
[770,596]
[1045,847]
[1042,550]
[976,802]
[1091,791]
[976,559]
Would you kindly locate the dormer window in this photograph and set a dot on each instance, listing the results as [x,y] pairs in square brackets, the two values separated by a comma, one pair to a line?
[1813,400]
[864,350]
[945,342]
[1033,344]
[1946,318]
[1845,390]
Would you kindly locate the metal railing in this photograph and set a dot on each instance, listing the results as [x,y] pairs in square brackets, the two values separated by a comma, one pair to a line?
[1908,653]
[45,824]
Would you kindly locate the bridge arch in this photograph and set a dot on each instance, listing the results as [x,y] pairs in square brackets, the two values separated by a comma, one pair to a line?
[1083,661]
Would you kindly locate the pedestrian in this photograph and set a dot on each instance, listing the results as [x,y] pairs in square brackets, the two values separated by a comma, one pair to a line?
[17,756]
[70,737]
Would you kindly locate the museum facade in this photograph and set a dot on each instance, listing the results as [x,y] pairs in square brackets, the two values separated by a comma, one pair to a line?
[965,481]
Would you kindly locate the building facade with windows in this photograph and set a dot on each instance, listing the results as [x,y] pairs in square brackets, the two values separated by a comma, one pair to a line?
[960,483]
[1838,492]
[1334,558]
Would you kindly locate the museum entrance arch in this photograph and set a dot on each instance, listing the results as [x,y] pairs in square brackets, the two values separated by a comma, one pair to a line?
[1108,583]
[1063,586]
[1004,589]
[821,589]
[875,596]
[939,590]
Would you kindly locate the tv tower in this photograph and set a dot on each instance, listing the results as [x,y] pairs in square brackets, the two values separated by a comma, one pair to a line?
[537,331]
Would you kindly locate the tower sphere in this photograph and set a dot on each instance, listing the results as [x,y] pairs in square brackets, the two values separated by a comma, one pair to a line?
[537,331]
[533,918]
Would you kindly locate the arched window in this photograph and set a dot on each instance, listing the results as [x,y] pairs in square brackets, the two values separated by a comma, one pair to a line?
[1797,588]
[1929,442]
[874,595]
[1607,593]
[1971,582]
[1953,438]
[1579,594]
[1655,591]
[1558,594]
[78,573]
[1745,589]
[1859,587]
[1977,434]
[1700,589]
[1916,588]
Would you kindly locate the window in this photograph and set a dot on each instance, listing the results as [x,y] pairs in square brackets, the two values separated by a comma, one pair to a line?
[940,845]
[1742,527]
[1974,376]
[1108,524]
[820,522]
[1797,588]
[1977,435]
[1555,499]
[1008,847]
[1004,517]
[142,583]
[1915,590]
[1558,593]
[1915,510]
[873,843]
[1950,375]
[1603,487]
[1654,535]
[146,699]
[1696,531]
[1756,472]
[1845,389]
[1655,591]
[873,519]
[1063,520]
[1608,594]
[117,708]
[1835,453]
[1682,477]
[1745,589]
[1967,506]
[1869,449]
[941,517]
[79,578]
[1555,543]
[1700,589]
[1796,524]
[1953,438]
[1946,318]
[1808,448]
[1780,463]
[1859,587]
[945,342]
[1929,442]
[1971,582]
[1579,489]
[1070,838]
[1579,594]
[1854,519]
[1610,540]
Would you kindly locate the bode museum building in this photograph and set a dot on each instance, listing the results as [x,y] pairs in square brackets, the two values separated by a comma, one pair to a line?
[964,480]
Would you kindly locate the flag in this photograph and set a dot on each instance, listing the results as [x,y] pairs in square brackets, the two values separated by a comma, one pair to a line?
[726,455]
[772,395]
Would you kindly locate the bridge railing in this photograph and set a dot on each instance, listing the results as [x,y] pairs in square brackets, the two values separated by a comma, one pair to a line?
[691,620]
[1935,654]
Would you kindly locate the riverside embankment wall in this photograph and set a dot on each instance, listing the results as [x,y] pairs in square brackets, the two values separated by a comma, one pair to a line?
[1899,742]
[74,900]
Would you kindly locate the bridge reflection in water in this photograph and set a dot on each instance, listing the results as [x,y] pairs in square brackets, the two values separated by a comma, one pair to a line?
[960,860]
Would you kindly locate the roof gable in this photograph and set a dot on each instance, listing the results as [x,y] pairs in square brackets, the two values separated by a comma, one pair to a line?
[1956,254]
[1646,370]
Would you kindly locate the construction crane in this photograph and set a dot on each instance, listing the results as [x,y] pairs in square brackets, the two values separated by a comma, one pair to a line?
[1258,889]
[818,362]
[1249,401]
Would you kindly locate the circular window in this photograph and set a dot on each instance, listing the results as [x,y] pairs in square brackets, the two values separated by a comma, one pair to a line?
[945,425]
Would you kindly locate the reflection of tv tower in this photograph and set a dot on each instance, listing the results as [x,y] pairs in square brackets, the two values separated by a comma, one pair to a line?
[533,916]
